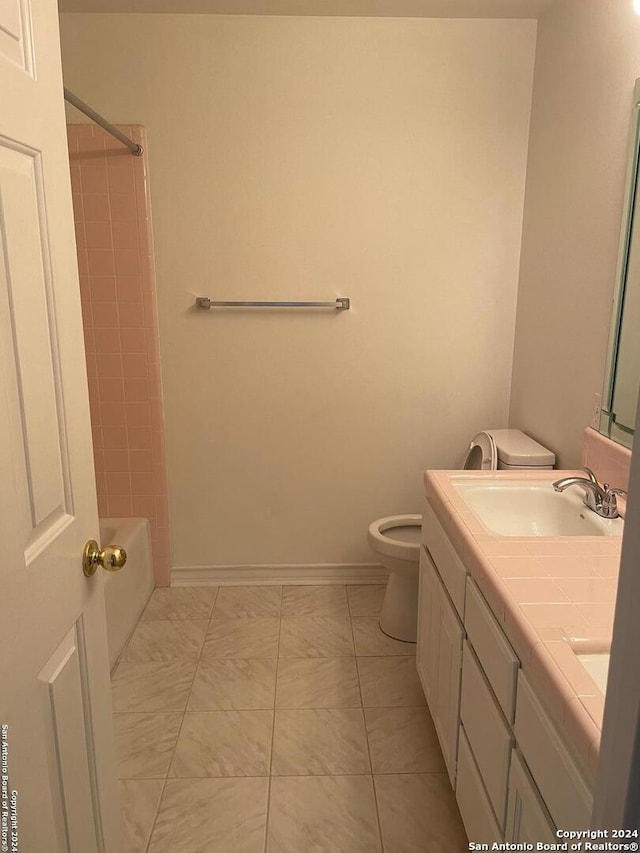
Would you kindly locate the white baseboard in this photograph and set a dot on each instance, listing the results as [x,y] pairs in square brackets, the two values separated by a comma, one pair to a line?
[311,573]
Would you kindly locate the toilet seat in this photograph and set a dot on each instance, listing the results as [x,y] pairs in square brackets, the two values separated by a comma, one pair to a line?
[482,454]
[397,536]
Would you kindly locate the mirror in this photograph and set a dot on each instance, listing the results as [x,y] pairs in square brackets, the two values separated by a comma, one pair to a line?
[622,377]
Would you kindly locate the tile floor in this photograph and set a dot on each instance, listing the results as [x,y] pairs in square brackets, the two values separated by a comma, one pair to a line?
[276,720]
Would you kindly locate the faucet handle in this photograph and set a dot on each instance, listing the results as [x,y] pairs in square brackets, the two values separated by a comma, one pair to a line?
[609,502]
[621,493]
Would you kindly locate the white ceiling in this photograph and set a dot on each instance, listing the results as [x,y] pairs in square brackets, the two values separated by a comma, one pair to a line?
[346,8]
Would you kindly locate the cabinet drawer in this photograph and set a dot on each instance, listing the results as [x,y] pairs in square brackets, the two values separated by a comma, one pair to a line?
[443,554]
[487,732]
[528,820]
[492,648]
[475,809]
[561,784]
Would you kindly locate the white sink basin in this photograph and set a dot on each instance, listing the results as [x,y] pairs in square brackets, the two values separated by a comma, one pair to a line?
[533,508]
[597,665]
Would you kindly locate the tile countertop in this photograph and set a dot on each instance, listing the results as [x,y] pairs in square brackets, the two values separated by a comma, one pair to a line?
[548,594]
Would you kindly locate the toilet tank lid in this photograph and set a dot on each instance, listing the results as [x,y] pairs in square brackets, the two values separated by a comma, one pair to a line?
[516,448]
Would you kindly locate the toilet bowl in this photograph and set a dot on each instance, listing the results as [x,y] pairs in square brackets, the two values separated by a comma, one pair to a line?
[396,542]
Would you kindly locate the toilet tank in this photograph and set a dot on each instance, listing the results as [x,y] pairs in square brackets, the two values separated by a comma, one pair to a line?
[519,451]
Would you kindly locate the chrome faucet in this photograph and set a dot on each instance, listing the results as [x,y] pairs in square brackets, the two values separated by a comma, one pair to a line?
[600,499]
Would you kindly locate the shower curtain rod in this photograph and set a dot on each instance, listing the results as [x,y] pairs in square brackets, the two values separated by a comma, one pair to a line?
[75,101]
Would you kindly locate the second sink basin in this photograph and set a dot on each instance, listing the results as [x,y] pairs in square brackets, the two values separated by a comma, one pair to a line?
[532,508]
[597,665]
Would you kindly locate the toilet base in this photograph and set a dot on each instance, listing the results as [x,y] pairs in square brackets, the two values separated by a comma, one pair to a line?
[399,616]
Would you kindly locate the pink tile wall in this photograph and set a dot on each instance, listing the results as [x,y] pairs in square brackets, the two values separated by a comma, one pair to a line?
[609,461]
[118,291]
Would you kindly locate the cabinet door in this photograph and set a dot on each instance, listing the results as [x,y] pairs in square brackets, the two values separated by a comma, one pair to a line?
[565,791]
[447,716]
[489,736]
[475,809]
[528,820]
[428,631]
[439,659]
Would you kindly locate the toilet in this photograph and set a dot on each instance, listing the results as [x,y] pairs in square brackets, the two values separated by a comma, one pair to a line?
[396,539]
[507,450]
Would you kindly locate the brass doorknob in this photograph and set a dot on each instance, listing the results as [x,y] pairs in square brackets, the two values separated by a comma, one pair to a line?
[112,558]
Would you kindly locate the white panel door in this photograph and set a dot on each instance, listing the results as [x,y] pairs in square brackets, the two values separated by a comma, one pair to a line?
[54,678]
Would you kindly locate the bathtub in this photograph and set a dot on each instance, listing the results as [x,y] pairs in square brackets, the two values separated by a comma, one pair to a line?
[126,592]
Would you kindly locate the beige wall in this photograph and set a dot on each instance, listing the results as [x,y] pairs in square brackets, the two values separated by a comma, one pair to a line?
[382,160]
[587,58]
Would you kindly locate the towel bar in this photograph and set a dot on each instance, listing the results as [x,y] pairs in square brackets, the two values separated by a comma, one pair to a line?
[340,304]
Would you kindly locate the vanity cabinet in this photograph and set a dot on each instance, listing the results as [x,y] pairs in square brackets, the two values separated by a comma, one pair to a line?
[439,659]
[513,775]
